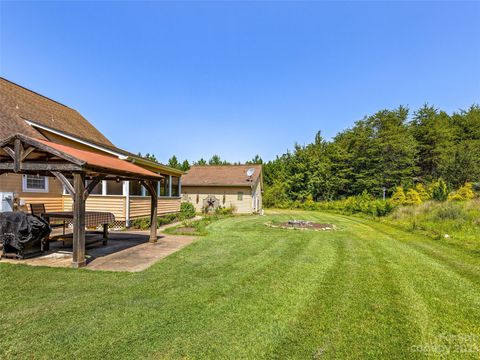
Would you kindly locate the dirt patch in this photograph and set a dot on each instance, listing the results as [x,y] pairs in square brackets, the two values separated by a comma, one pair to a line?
[303,225]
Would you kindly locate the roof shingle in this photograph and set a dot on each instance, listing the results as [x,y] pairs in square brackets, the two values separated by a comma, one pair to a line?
[18,104]
[222,175]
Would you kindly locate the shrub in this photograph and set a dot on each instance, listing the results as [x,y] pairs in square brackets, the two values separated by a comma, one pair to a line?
[476,187]
[438,190]
[144,223]
[140,223]
[398,197]
[463,194]
[167,219]
[412,198]
[422,192]
[225,210]
[275,195]
[187,211]
[364,203]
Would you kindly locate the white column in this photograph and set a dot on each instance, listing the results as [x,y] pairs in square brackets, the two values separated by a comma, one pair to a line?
[104,187]
[170,185]
[180,186]
[126,193]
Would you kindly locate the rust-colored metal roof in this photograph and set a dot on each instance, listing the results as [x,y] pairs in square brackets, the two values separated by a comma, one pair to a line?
[221,175]
[101,161]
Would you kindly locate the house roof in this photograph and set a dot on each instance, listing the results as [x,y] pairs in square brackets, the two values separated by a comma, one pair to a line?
[222,175]
[19,104]
[23,111]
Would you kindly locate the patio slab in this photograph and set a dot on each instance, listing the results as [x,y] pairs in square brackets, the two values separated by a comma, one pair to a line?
[126,251]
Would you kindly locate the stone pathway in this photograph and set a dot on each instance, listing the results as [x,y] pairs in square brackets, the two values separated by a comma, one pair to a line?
[138,257]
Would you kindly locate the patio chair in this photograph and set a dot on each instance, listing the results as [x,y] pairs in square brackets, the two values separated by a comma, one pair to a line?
[39,210]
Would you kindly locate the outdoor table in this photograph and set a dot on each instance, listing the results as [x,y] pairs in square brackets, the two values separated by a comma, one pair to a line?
[92,218]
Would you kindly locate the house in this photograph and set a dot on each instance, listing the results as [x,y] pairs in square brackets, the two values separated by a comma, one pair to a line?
[237,186]
[25,112]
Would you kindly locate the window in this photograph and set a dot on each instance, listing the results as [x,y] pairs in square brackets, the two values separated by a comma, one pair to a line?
[165,186]
[97,190]
[240,196]
[136,189]
[34,183]
[175,186]
[114,188]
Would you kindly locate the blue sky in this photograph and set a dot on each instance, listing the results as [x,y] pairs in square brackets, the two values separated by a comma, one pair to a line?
[240,78]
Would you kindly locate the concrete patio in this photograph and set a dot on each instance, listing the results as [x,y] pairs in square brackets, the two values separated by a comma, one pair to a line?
[125,251]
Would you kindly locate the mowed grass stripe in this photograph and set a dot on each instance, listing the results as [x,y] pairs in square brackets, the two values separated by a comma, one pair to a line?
[249,291]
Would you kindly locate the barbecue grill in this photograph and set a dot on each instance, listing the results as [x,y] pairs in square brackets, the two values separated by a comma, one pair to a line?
[22,234]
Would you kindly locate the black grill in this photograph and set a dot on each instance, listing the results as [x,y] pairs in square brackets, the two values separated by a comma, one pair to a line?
[22,234]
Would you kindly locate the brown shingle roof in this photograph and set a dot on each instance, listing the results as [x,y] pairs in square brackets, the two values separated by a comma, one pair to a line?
[18,104]
[222,175]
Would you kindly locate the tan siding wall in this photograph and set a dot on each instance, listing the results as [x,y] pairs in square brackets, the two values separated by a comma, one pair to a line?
[140,206]
[258,194]
[55,201]
[52,199]
[110,203]
[231,197]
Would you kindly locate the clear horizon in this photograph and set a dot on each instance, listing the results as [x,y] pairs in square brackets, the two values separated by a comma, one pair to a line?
[240,79]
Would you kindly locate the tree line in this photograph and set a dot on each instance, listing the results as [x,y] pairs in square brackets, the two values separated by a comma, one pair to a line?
[382,151]
[391,148]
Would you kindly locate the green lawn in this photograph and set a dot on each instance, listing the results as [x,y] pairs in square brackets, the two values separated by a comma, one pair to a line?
[246,290]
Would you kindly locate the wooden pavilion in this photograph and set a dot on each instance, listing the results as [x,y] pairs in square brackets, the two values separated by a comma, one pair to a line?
[22,154]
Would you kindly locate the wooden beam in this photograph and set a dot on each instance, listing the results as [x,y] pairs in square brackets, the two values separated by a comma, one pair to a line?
[68,186]
[9,151]
[41,166]
[153,209]
[78,259]
[42,147]
[27,152]
[17,162]
[95,181]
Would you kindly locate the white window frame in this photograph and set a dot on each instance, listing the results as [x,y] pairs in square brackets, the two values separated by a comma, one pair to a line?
[25,188]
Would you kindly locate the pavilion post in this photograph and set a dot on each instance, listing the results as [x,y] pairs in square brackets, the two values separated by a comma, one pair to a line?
[153,214]
[153,209]
[79,221]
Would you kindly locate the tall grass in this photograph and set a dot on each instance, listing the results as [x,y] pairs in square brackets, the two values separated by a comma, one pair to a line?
[453,222]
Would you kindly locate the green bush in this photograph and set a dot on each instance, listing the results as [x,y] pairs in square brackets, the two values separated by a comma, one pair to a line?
[144,223]
[140,223]
[225,210]
[364,203]
[422,192]
[438,190]
[167,219]
[398,197]
[187,211]
[412,198]
[463,194]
